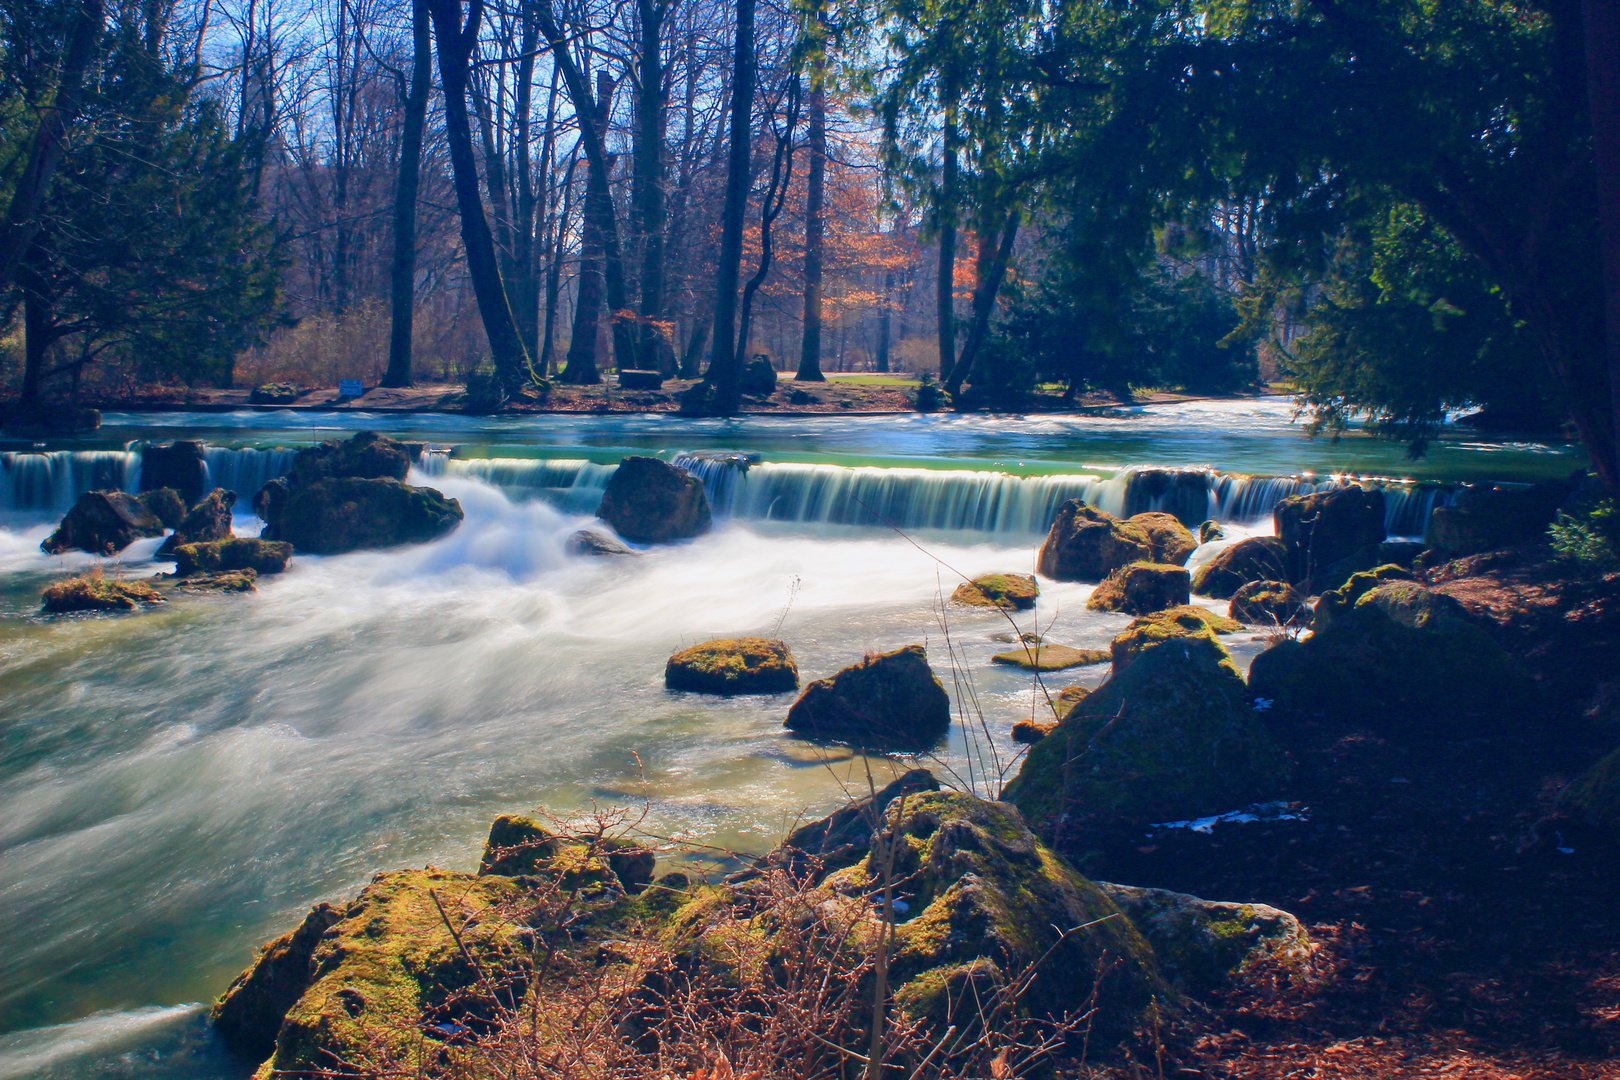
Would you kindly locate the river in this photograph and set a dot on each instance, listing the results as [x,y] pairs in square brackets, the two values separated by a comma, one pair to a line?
[178,786]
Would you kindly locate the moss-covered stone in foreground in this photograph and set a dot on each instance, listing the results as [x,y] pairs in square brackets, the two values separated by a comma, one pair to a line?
[93,592]
[1141,589]
[1010,592]
[1206,944]
[1187,620]
[748,665]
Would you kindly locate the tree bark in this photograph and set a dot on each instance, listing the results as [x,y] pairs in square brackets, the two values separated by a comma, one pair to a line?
[582,367]
[402,284]
[1602,24]
[814,224]
[990,270]
[883,322]
[46,148]
[945,295]
[723,368]
[647,186]
[456,41]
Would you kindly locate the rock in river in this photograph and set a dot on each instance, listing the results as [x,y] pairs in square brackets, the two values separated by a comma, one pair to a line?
[1171,541]
[1050,657]
[889,701]
[209,520]
[329,517]
[102,523]
[733,666]
[1141,588]
[1327,527]
[1011,592]
[236,554]
[1257,558]
[93,592]
[648,501]
[1261,603]
[1087,544]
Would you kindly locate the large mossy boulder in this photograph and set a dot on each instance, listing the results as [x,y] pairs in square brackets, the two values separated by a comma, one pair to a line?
[366,456]
[329,517]
[748,665]
[1487,517]
[102,523]
[1327,527]
[1170,540]
[1142,588]
[250,1012]
[842,838]
[983,902]
[1087,544]
[1255,558]
[1264,603]
[237,553]
[1397,657]
[94,592]
[166,505]
[1212,944]
[1144,632]
[209,520]
[1009,592]
[1171,736]
[888,701]
[648,501]
[179,466]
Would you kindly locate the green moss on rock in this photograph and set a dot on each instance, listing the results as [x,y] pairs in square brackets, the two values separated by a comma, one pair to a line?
[1257,558]
[1048,657]
[1170,540]
[237,553]
[1208,944]
[1594,796]
[733,666]
[889,700]
[93,592]
[1141,588]
[1187,620]
[1010,592]
[1087,544]
[1266,602]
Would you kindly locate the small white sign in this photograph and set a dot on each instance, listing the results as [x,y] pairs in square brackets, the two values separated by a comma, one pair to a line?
[350,388]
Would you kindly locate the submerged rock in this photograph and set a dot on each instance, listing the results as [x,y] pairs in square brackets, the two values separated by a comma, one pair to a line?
[237,553]
[1261,603]
[93,592]
[178,465]
[1258,558]
[1209,944]
[1170,540]
[209,520]
[1141,588]
[166,505]
[1087,544]
[889,700]
[733,666]
[648,501]
[594,542]
[1050,657]
[1189,620]
[1171,736]
[249,1014]
[228,581]
[329,517]
[102,523]
[1394,656]
[1325,527]
[1010,592]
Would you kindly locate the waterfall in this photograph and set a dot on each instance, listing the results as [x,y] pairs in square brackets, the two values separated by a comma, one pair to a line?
[245,471]
[54,480]
[569,483]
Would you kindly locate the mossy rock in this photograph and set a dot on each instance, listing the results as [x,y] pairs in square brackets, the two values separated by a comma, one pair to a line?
[1010,592]
[1326,527]
[1050,657]
[981,900]
[102,523]
[1171,736]
[1065,700]
[1398,658]
[1087,544]
[1142,588]
[367,455]
[1210,530]
[237,553]
[1257,558]
[1187,620]
[648,501]
[249,1013]
[1343,599]
[1210,944]
[166,505]
[340,514]
[277,393]
[517,845]
[843,837]
[1594,796]
[1030,732]
[888,701]
[209,520]
[1171,541]
[227,581]
[390,970]
[94,592]
[1262,603]
[733,666]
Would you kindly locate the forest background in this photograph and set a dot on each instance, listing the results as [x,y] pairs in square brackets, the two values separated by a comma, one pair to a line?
[1402,207]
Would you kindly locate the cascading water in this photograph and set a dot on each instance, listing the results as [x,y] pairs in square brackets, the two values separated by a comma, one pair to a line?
[53,481]
[572,484]
[245,471]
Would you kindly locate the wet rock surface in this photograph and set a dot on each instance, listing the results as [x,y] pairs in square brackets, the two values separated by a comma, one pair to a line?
[1142,588]
[209,520]
[733,666]
[1087,544]
[648,501]
[890,700]
[103,523]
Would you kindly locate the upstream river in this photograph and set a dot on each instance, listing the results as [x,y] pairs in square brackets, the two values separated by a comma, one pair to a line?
[178,786]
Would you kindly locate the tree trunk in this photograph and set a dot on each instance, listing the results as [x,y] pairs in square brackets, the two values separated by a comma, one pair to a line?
[525,259]
[946,293]
[883,322]
[558,229]
[990,270]
[455,54]
[814,225]
[582,368]
[723,368]
[45,152]
[647,183]
[1602,18]
[402,284]
[36,341]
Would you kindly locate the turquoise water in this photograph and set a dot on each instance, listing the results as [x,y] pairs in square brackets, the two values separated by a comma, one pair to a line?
[177,787]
